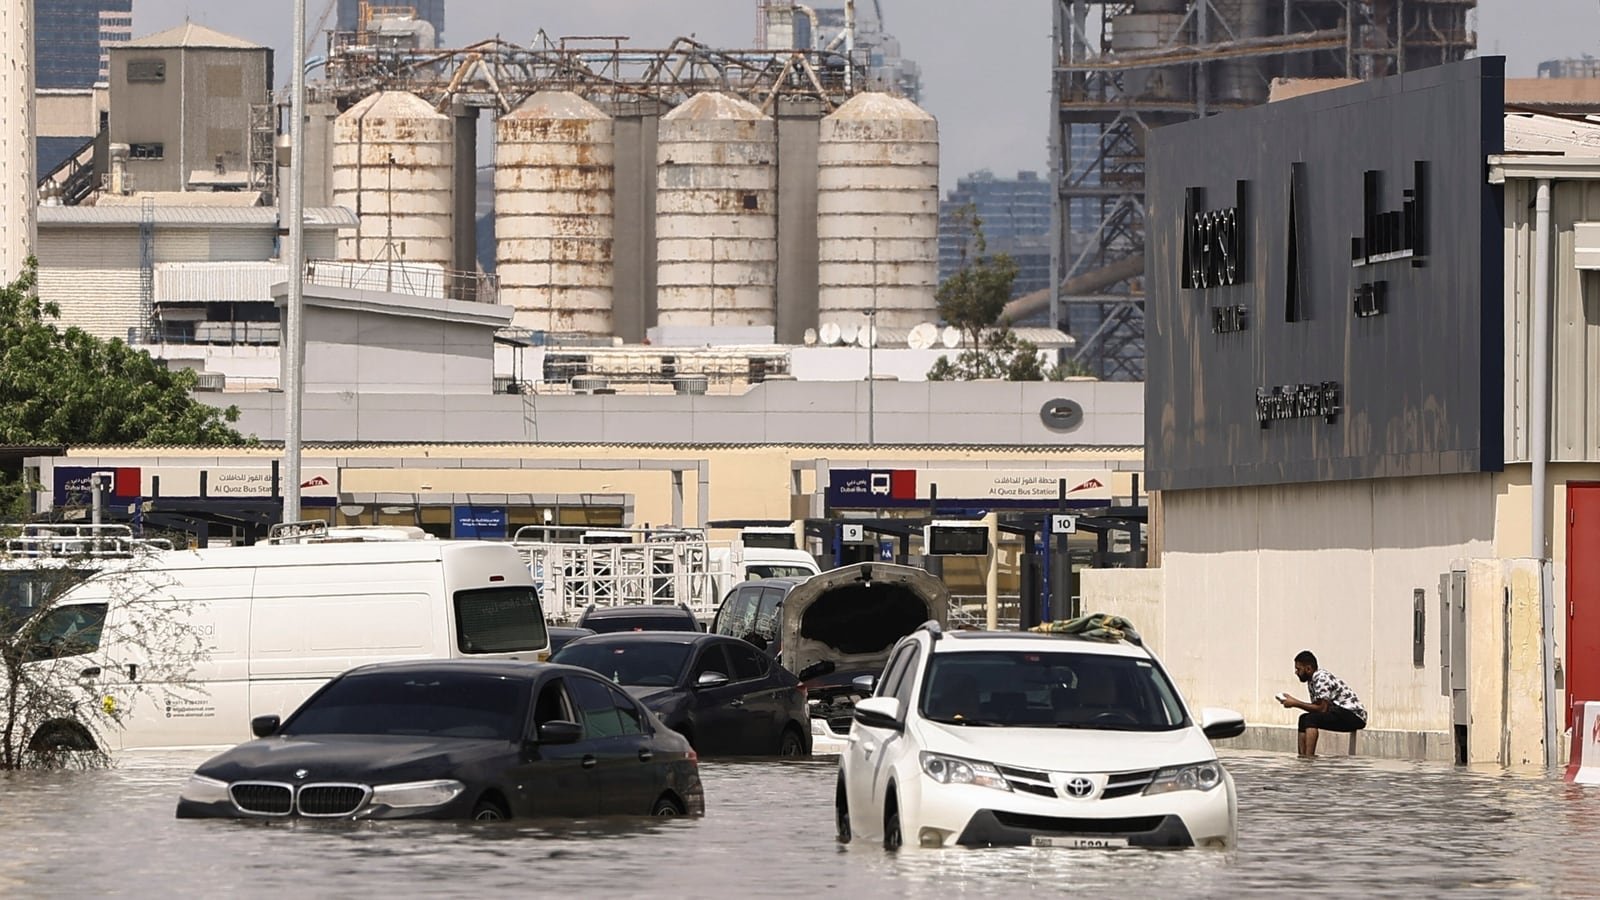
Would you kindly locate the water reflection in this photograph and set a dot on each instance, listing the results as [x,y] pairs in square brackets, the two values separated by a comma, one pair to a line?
[1334,827]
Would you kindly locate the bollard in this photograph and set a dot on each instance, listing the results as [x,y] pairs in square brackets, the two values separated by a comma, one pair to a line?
[1584,767]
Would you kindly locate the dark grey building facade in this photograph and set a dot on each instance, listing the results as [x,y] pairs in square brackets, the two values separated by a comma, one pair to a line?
[1325,284]
[71,36]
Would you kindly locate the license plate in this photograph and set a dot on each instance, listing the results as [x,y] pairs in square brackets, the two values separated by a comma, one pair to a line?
[1079,843]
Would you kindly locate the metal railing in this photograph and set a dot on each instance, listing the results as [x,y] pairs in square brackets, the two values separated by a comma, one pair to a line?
[677,568]
[400,277]
[60,541]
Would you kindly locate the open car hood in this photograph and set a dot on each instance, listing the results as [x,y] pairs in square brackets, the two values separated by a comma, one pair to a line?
[852,616]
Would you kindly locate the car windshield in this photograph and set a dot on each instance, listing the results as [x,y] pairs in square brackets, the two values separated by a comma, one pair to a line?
[1050,690]
[636,663]
[419,704]
[641,622]
[752,571]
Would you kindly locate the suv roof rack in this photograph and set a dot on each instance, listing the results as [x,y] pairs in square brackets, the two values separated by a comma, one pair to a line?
[933,629]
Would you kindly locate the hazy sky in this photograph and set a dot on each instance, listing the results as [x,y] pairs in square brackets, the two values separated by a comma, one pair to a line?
[985,63]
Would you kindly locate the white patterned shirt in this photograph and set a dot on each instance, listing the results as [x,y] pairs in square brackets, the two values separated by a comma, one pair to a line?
[1327,686]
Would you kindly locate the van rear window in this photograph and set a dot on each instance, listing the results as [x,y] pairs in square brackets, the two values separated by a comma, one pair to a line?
[500,620]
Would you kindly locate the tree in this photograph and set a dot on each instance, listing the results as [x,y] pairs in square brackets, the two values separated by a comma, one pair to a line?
[61,693]
[973,300]
[70,387]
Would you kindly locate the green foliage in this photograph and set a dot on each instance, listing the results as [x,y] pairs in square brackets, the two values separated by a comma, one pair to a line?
[69,387]
[975,297]
[974,301]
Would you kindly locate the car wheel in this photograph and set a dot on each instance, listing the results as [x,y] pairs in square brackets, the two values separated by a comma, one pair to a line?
[791,743]
[489,810]
[841,812]
[667,808]
[891,825]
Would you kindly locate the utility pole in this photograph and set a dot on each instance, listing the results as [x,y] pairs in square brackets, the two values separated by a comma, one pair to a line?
[872,349]
[294,312]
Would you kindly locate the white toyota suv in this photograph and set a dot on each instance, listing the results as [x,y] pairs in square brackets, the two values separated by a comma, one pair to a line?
[987,738]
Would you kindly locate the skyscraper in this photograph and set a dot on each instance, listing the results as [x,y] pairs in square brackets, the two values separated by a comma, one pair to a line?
[430,11]
[72,37]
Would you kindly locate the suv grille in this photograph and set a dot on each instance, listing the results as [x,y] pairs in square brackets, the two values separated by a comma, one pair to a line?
[1047,824]
[263,798]
[331,799]
[1028,781]
[1124,783]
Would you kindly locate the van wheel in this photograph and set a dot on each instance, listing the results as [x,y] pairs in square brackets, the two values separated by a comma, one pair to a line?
[841,812]
[891,825]
[61,737]
[489,810]
[666,807]
[791,743]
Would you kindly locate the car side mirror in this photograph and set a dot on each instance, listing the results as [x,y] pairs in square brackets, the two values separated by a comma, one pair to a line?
[265,726]
[867,683]
[1218,723]
[710,680]
[560,732]
[880,712]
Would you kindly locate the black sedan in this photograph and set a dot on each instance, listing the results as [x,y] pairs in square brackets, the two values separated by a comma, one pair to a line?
[722,694]
[457,739]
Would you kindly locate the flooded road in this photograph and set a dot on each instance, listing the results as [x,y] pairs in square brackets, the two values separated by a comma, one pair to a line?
[1333,827]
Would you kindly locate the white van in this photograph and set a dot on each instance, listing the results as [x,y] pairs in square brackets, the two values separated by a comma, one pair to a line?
[737,564]
[275,622]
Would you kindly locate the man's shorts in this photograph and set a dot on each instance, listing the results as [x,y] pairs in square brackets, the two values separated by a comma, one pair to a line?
[1337,718]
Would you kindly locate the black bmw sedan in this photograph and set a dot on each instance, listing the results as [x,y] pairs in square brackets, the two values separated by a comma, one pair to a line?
[455,739]
[724,695]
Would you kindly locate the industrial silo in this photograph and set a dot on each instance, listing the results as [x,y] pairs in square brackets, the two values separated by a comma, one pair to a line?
[878,213]
[554,187]
[716,214]
[394,164]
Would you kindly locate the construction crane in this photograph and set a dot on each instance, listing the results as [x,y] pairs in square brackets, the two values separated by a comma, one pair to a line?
[322,23]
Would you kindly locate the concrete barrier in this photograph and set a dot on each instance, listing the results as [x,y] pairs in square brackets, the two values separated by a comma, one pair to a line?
[1584,767]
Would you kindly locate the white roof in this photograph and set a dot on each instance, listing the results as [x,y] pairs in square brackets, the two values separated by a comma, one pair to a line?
[190,216]
[191,35]
[1532,133]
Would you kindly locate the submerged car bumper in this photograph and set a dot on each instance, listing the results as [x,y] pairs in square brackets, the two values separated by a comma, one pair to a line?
[966,815]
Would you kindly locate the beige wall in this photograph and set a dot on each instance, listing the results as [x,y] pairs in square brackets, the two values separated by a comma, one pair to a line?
[1254,575]
[69,113]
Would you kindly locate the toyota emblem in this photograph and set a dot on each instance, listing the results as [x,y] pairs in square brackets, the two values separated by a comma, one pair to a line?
[301,774]
[1080,786]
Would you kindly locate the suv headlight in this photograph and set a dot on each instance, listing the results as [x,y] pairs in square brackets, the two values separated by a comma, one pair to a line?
[952,770]
[1197,777]
[200,789]
[417,793]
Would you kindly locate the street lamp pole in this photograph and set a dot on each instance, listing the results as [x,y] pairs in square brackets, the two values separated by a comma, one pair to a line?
[872,349]
[294,343]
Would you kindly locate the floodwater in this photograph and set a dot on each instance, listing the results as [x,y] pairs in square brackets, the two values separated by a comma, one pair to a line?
[1331,827]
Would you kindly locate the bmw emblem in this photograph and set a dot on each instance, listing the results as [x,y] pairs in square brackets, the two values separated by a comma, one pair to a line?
[1078,786]
[300,774]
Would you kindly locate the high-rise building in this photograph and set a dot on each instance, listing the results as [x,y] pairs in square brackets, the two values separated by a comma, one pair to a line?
[72,38]
[430,11]
[1014,214]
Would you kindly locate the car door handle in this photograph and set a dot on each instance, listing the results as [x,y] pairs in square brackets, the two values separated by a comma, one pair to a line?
[133,671]
[91,672]
[589,762]
[736,702]
[646,755]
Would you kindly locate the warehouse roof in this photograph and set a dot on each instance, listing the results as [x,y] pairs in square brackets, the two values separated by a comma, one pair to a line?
[190,216]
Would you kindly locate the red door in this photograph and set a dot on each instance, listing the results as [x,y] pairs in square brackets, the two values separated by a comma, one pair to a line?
[1583,593]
